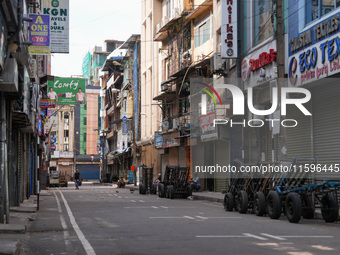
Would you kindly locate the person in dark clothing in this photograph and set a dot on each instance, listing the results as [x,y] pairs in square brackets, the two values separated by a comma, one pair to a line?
[77,179]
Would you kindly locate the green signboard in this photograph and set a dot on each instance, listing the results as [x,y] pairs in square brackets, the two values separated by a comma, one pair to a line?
[67,90]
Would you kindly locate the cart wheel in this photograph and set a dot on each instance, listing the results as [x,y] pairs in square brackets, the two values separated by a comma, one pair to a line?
[259,203]
[154,189]
[161,192]
[329,207]
[142,189]
[307,207]
[274,205]
[189,189]
[171,190]
[242,202]
[228,202]
[293,207]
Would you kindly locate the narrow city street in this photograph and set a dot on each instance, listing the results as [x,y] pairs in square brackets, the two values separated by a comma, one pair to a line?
[105,220]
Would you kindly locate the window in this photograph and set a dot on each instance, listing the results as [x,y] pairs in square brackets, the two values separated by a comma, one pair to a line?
[318,8]
[169,6]
[84,137]
[85,121]
[262,21]
[65,147]
[202,31]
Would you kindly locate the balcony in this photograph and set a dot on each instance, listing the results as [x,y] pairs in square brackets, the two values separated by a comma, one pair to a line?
[110,135]
[110,111]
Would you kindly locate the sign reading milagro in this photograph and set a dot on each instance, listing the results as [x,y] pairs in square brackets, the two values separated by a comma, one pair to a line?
[67,90]
[58,10]
[39,34]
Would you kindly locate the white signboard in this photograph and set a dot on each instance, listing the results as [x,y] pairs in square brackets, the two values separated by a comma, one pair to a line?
[229,29]
[59,24]
[258,67]
[66,154]
[53,163]
[55,154]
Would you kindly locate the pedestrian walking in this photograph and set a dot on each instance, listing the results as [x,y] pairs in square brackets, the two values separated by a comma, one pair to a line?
[77,179]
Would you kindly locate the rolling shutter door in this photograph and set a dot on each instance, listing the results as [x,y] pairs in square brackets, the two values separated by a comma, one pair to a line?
[222,155]
[89,172]
[326,124]
[198,160]
[299,142]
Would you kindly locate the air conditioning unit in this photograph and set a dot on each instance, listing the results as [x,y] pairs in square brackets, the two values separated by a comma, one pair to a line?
[33,68]
[9,80]
[102,93]
[158,27]
[164,87]
[175,123]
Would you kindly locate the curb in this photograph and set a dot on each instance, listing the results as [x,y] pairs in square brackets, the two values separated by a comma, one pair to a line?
[210,199]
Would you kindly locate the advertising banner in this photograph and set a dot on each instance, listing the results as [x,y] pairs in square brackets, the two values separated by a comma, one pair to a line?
[314,53]
[47,103]
[58,10]
[67,90]
[39,34]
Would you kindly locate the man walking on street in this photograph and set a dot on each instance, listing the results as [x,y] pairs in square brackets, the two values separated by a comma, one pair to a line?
[77,179]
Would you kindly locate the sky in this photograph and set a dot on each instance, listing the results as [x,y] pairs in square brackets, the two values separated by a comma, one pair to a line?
[91,23]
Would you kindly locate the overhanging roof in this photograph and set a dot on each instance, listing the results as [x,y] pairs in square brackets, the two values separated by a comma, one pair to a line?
[129,43]
[202,8]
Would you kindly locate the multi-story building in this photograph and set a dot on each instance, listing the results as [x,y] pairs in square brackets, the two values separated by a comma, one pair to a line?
[150,113]
[60,128]
[190,51]
[20,80]
[313,64]
[121,93]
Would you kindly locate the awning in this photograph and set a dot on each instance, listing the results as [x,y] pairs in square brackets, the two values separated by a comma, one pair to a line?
[202,8]
[169,95]
[20,119]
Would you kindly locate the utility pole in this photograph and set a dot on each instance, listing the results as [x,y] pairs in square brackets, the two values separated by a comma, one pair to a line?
[280,59]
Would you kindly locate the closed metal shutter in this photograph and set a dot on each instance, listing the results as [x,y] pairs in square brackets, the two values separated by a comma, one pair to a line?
[66,169]
[299,142]
[222,159]
[89,172]
[269,145]
[182,155]
[198,162]
[326,124]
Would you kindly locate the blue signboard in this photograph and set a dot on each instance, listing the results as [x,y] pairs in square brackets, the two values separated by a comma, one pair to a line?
[125,128]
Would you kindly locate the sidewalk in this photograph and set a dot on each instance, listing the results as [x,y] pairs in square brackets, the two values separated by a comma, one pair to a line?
[13,233]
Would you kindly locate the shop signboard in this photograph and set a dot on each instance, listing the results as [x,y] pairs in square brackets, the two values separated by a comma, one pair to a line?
[314,53]
[39,35]
[67,90]
[208,130]
[229,29]
[58,10]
